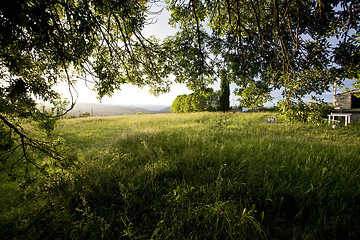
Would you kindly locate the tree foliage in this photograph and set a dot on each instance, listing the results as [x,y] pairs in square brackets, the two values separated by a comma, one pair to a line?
[196,102]
[188,51]
[47,119]
[44,43]
[313,112]
[253,95]
[299,47]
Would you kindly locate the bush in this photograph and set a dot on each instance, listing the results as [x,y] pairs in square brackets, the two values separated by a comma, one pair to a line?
[312,112]
[86,114]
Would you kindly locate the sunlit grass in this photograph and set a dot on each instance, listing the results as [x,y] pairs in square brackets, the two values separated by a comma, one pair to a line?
[199,176]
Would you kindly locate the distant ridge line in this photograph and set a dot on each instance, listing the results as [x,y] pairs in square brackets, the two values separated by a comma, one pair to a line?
[95,109]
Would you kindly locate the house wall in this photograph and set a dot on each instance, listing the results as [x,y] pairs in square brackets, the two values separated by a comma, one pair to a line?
[343,101]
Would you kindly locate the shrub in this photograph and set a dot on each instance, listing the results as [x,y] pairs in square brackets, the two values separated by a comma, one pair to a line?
[86,114]
[311,112]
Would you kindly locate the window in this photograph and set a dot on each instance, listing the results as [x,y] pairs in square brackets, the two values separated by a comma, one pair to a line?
[355,101]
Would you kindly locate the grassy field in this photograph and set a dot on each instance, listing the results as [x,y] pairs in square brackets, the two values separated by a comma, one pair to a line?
[193,176]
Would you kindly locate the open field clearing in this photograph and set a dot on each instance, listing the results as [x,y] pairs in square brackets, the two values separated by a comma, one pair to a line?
[193,176]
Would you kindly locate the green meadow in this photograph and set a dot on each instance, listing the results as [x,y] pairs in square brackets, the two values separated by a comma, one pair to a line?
[192,176]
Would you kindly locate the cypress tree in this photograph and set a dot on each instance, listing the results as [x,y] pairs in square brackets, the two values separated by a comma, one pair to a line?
[224,103]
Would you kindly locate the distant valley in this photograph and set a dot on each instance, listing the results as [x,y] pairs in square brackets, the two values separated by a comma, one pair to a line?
[114,110]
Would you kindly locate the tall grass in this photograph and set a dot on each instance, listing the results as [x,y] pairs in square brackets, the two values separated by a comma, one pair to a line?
[195,176]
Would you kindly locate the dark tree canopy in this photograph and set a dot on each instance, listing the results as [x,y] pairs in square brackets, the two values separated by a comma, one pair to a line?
[273,44]
[264,44]
[46,42]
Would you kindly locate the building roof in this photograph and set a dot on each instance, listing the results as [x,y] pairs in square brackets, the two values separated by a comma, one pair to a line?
[350,92]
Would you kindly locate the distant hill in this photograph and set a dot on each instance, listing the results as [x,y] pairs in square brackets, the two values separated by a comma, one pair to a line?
[113,110]
[166,110]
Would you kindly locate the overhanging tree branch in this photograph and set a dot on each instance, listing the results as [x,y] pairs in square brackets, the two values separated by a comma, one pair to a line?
[27,143]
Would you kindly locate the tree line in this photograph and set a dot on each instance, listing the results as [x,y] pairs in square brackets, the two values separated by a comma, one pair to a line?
[196,102]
